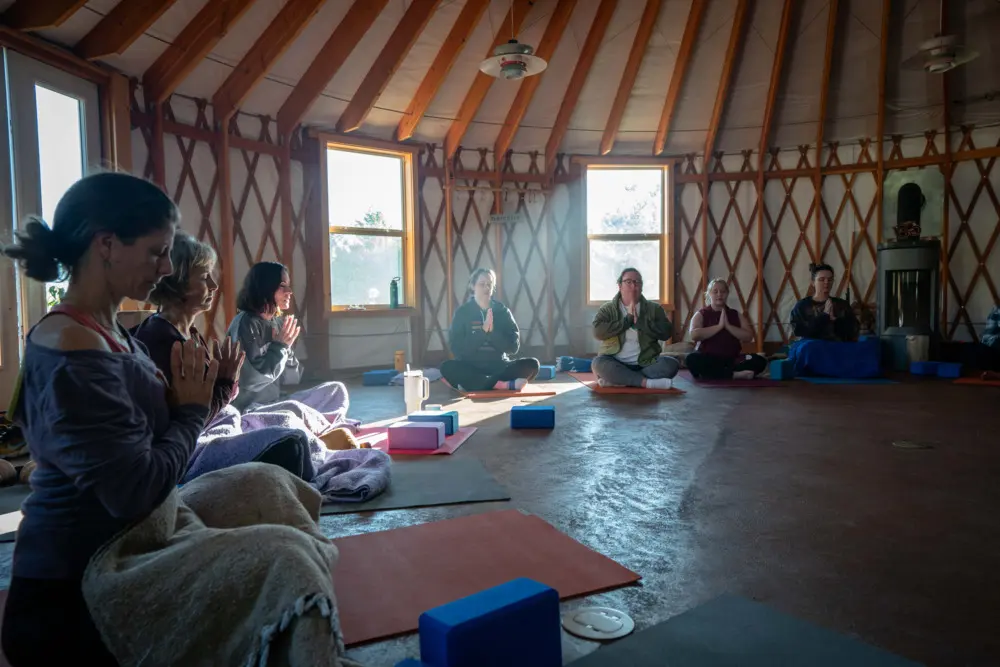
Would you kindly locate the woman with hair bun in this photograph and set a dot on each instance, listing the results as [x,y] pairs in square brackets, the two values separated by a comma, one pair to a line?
[484,338]
[719,333]
[821,316]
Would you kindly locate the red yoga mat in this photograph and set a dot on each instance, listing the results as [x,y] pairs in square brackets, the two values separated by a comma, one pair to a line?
[978,381]
[378,438]
[742,384]
[590,380]
[385,580]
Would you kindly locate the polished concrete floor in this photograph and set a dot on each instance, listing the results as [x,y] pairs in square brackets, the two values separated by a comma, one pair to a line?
[794,496]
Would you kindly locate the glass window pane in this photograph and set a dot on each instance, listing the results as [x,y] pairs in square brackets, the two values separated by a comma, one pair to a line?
[365,189]
[60,156]
[608,258]
[361,268]
[624,201]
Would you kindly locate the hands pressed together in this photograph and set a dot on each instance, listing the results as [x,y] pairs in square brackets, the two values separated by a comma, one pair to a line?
[289,331]
[195,370]
[828,309]
[488,321]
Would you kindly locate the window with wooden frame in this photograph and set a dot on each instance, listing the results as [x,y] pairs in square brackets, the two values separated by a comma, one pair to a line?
[370,211]
[627,212]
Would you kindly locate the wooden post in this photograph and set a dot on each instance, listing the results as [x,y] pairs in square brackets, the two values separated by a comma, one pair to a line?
[227,235]
[824,89]
[287,209]
[156,149]
[449,252]
[880,171]
[947,168]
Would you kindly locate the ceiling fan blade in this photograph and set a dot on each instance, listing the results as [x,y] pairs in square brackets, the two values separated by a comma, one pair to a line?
[965,55]
[914,62]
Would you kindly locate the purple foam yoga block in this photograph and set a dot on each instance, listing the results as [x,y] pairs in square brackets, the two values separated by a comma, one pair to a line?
[416,435]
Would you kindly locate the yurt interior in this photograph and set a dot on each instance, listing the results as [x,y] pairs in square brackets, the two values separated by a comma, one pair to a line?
[389,332]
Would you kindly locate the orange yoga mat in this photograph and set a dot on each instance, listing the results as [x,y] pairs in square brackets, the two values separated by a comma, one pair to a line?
[385,580]
[528,390]
[590,380]
[978,381]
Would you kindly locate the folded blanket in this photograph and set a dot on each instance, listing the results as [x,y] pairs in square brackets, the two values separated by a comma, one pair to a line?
[230,570]
[340,476]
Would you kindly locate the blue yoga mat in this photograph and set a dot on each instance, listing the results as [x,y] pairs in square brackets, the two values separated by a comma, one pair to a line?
[824,380]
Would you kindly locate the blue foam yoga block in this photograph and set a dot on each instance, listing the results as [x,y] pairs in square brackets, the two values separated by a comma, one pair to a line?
[546,373]
[575,364]
[449,419]
[379,378]
[516,623]
[532,416]
[782,369]
[924,368]
[410,662]
[949,370]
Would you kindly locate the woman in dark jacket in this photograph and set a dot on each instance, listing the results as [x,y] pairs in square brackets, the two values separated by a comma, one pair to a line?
[484,337]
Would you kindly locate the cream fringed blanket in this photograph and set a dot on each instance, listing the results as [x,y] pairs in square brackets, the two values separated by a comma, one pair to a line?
[230,570]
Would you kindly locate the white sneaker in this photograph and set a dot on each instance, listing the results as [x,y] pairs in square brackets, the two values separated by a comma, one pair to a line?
[660,383]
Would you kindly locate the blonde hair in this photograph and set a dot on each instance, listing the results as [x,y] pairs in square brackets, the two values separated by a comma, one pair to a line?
[712,283]
[479,273]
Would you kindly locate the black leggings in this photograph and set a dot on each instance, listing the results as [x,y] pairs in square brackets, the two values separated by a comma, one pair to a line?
[475,378]
[708,367]
[46,622]
[290,453]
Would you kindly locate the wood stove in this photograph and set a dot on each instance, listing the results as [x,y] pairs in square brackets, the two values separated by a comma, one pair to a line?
[909,296]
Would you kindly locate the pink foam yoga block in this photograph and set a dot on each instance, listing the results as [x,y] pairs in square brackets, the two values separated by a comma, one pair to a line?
[416,435]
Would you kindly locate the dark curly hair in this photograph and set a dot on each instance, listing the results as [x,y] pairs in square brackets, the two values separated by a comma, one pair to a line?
[261,282]
[187,256]
[119,203]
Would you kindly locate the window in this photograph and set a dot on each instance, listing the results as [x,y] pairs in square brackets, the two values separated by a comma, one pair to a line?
[370,205]
[626,226]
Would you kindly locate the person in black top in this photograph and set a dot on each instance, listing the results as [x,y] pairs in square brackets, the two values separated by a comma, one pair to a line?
[483,339]
[821,316]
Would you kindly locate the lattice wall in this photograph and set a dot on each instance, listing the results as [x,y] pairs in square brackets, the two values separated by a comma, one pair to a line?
[191,175]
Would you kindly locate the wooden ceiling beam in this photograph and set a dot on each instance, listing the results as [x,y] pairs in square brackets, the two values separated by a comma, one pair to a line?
[680,71]
[546,48]
[31,15]
[775,83]
[414,20]
[196,41]
[583,64]
[328,61]
[289,23]
[481,84]
[725,79]
[119,29]
[646,25]
[443,61]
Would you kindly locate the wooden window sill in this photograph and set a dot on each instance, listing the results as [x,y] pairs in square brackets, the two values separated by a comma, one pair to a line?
[374,312]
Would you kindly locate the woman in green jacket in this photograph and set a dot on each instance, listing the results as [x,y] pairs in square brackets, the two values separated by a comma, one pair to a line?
[484,337]
[630,329]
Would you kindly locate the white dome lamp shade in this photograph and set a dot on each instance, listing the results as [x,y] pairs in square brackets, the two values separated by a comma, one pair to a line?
[513,60]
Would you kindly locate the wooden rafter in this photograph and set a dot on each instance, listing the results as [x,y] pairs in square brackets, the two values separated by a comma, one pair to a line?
[765,131]
[880,122]
[481,84]
[646,25]
[824,90]
[583,64]
[328,61]
[414,21]
[195,42]
[443,61]
[680,69]
[120,27]
[272,43]
[40,14]
[725,79]
[546,48]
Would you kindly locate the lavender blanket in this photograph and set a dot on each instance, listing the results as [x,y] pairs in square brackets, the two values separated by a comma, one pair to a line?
[354,475]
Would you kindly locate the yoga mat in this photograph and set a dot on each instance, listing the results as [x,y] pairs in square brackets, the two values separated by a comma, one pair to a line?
[590,380]
[424,566]
[527,390]
[378,438]
[742,384]
[824,380]
[978,382]
[731,631]
[426,482]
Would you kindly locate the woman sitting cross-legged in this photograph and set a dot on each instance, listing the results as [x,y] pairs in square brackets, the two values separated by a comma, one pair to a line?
[268,339]
[630,329]
[720,333]
[181,297]
[821,316]
[483,338]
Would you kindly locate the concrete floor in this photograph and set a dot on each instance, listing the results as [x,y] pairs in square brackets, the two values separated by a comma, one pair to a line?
[794,497]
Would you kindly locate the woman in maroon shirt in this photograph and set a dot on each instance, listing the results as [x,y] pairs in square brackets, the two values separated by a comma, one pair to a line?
[719,351]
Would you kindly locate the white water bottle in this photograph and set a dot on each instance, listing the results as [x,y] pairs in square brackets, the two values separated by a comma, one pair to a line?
[416,390]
